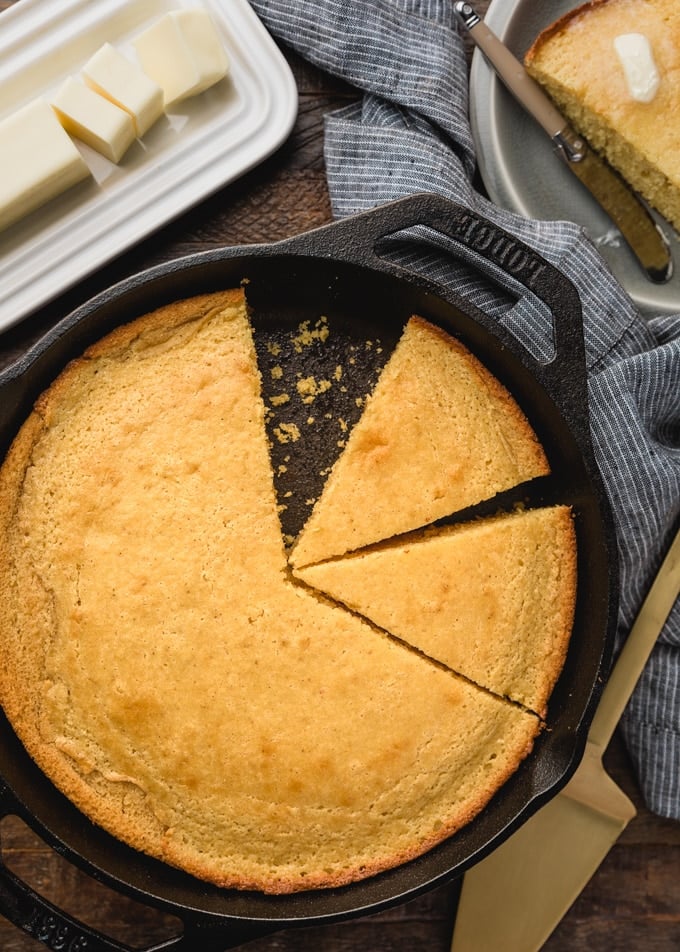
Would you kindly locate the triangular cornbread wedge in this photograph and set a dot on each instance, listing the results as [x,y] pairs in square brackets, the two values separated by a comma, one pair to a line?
[165,672]
[492,599]
[438,433]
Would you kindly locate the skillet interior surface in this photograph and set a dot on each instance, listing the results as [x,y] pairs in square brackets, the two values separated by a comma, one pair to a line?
[290,289]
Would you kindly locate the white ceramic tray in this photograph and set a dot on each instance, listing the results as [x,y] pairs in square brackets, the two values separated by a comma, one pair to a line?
[201,145]
[521,172]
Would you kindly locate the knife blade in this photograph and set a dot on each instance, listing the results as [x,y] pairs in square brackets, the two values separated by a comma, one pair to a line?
[630,215]
[532,879]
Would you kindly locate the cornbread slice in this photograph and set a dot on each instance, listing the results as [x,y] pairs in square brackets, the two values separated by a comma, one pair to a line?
[492,599]
[164,671]
[438,433]
[575,60]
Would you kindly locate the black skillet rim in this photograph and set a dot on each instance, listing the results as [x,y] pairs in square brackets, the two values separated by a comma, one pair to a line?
[351,243]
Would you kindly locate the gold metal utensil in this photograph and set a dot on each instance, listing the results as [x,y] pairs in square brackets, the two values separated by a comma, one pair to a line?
[516,896]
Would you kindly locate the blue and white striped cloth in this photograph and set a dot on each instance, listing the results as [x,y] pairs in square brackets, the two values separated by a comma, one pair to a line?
[410,133]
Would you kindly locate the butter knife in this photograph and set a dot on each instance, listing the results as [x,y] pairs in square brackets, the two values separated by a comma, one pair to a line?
[633,219]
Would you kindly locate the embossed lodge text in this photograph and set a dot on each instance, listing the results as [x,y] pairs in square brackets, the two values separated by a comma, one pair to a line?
[498,247]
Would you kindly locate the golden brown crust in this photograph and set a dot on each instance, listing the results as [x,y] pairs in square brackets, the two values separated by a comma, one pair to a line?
[556,27]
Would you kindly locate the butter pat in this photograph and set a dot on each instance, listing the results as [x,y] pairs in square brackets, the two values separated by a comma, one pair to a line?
[126,85]
[92,118]
[637,61]
[182,52]
[39,161]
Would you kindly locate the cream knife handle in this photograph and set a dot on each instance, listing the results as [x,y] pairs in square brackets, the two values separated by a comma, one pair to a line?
[637,648]
[512,72]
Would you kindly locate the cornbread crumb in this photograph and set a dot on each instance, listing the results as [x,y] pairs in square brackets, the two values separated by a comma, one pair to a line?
[307,336]
[287,432]
[309,388]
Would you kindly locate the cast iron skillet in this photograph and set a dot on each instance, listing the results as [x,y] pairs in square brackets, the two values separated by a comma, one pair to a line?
[336,271]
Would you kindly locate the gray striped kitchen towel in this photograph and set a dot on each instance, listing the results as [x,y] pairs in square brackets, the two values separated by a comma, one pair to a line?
[409,132]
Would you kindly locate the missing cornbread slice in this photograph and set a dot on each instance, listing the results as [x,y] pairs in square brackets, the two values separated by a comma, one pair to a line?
[492,599]
[438,433]
[162,668]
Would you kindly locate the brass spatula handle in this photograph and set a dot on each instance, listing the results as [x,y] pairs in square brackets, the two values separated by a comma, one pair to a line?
[635,652]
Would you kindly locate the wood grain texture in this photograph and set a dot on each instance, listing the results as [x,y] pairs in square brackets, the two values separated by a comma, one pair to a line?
[632,902]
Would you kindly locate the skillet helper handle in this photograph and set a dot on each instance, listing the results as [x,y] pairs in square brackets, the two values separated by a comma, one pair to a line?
[38,917]
[60,932]
[354,240]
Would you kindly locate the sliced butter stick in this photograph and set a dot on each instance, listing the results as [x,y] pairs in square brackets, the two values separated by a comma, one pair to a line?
[125,84]
[39,161]
[93,119]
[182,52]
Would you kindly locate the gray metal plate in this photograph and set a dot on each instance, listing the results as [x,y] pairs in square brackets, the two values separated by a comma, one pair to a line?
[520,171]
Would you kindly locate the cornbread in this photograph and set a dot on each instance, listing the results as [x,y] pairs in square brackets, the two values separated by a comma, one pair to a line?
[576,61]
[438,433]
[492,599]
[165,671]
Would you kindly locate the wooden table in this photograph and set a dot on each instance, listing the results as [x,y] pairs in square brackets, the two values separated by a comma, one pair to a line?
[632,902]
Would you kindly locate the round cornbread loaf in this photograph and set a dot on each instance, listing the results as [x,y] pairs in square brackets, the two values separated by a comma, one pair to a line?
[165,670]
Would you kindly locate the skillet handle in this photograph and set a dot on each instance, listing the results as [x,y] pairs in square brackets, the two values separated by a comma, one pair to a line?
[354,240]
[60,932]
[37,916]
